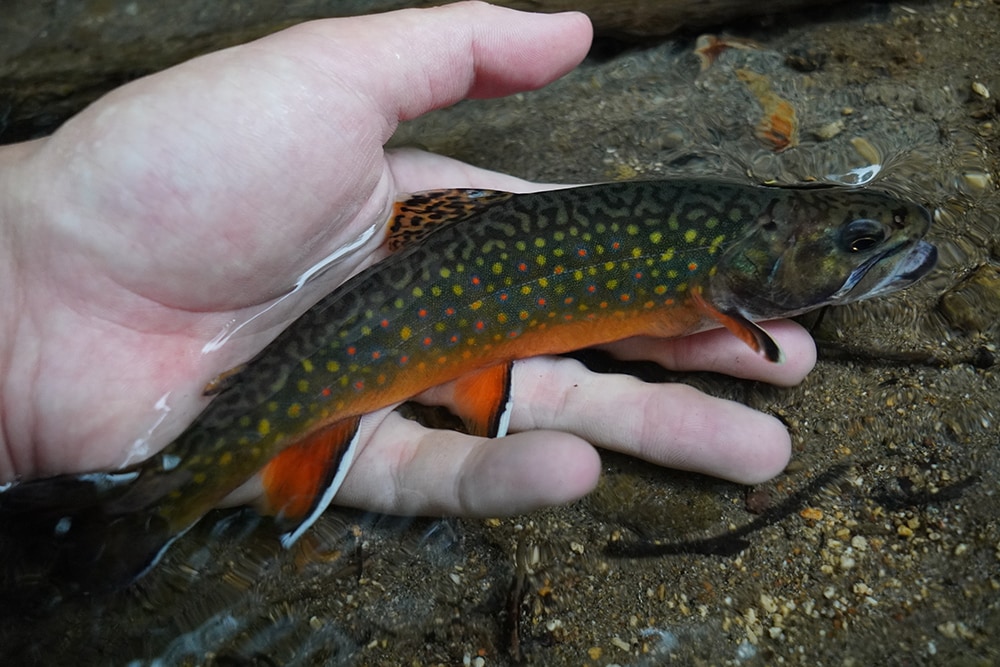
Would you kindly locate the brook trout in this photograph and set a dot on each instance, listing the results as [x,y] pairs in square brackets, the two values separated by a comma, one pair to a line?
[478,279]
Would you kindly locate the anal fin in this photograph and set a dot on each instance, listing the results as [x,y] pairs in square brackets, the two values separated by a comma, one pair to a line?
[419,214]
[482,400]
[300,482]
[746,330]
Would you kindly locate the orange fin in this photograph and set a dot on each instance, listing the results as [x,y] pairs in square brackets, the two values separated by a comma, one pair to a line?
[222,381]
[482,400]
[300,482]
[747,331]
[419,214]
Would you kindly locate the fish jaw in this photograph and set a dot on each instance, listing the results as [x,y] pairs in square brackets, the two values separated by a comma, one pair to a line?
[881,277]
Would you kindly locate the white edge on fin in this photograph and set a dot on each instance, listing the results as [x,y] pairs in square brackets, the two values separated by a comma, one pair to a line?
[288,539]
[504,423]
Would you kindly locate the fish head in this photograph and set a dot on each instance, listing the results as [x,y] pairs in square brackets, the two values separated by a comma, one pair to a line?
[829,246]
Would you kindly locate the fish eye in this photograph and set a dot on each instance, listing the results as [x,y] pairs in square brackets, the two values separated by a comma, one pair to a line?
[861,235]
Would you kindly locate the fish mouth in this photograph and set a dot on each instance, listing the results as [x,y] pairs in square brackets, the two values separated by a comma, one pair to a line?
[868,281]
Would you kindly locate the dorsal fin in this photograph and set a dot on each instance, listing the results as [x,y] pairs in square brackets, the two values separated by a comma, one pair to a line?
[417,215]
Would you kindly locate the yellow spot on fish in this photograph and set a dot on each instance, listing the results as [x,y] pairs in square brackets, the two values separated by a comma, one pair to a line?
[716,243]
[656,237]
[199,478]
[405,333]
[294,410]
[417,292]
[690,235]
[457,289]
[497,268]
[660,289]
[632,230]
[435,291]
[302,386]
[445,272]
[307,366]
[332,366]
[525,289]
[226,458]
[667,255]
[608,266]
[476,305]
[543,282]
[611,284]
[539,242]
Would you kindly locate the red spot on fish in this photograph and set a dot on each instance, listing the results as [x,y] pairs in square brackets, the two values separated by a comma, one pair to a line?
[624,297]
[668,302]
[541,302]
[567,317]
[359,385]
[638,275]
[384,323]
[558,269]
[427,341]
[351,350]
[522,267]
[449,311]
[591,288]
[476,280]
[422,312]
[512,334]
[376,354]
[480,325]
[403,359]
[503,296]
[616,245]
[326,392]
[582,252]
[568,300]
[453,339]
[692,266]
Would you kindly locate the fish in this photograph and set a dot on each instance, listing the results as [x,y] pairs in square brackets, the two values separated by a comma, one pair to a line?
[476,280]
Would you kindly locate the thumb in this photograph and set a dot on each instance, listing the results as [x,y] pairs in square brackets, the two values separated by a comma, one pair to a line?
[436,57]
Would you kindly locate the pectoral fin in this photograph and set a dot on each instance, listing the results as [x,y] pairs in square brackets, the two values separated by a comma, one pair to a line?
[417,215]
[300,482]
[482,400]
[747,331]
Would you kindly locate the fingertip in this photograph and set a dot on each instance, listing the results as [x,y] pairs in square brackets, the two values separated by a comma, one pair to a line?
[799,352]
[767,455]
[528,471]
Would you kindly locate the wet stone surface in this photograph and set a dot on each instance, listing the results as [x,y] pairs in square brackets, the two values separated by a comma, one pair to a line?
[880,544]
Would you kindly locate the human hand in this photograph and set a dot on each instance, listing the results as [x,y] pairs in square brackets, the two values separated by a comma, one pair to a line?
[185,200]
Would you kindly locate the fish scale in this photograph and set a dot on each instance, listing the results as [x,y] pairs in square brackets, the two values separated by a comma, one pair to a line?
[476,293]
[479,279]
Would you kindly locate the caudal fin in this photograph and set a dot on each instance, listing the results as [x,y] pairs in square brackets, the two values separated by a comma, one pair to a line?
[57,537]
